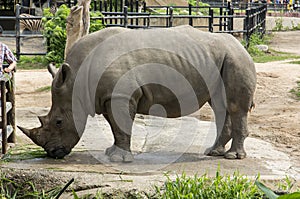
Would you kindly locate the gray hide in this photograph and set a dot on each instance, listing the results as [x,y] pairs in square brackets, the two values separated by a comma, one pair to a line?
[120,72]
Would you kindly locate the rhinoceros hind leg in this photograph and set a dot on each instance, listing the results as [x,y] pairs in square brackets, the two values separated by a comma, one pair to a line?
[239,134]
[117,154]
[223,124]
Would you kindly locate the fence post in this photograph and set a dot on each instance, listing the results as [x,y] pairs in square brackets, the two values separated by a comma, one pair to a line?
[171,17]
[221,20]
[125,16]
[231,13]
[95,5]
[18,31]
[190,14]
[211,20]
[246,27]
[4,119]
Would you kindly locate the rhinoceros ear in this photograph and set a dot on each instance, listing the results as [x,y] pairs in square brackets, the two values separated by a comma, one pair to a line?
[62,75]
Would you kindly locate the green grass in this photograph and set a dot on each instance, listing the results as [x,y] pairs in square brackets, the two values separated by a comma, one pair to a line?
[24,152]
[295,62]
[273,55]
[220,186]
[236,186]
[296,91]
[32,62]
[43,89]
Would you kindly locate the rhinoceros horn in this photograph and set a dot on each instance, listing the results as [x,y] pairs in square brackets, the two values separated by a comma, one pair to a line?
[31,133]
[42,120]
[52,69]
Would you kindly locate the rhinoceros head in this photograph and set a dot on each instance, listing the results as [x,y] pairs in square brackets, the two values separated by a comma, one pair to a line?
[57,133]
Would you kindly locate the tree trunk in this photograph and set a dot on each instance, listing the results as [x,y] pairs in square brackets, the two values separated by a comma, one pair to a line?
[78,23]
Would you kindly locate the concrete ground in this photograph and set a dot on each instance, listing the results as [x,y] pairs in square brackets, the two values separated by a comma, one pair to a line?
[160,146]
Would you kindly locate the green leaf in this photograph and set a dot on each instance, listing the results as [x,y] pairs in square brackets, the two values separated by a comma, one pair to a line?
[295,195]
[269,193]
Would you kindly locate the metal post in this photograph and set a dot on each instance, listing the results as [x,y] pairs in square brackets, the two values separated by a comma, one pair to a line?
[125,16]
[171,17]
[211,20]
[231,13]
[246,27]
[18,7]
[190,14]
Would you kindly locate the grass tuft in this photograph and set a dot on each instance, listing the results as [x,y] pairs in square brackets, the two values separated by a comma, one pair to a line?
[24,152]
[220,186]
[43,89]
[296,91]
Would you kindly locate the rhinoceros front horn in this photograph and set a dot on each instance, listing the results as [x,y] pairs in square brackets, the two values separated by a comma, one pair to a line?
[25,131]
[31,133]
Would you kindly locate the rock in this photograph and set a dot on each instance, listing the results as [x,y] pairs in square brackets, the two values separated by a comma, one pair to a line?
[263,48]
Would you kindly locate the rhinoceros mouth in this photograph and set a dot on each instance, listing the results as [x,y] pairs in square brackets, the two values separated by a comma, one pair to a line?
[59,152]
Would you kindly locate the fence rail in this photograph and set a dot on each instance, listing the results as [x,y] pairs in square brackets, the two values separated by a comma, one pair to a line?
[218,19]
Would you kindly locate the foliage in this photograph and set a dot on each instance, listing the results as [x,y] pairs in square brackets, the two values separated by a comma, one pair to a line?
[263,57]
[296,90]
[55,31]
[32,62]
[96,23]
[278,24]
[256,39]
[11,189]
[226,186]
[272,195]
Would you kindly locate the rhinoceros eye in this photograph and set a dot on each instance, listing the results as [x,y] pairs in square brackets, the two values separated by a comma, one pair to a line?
[59,123]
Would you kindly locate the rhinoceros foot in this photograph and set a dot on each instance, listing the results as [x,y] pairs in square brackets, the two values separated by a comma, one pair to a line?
[116,154]
[235,155]
[216,151]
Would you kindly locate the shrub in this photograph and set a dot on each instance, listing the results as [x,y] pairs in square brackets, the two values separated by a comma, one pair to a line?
[236,186]
[55,31]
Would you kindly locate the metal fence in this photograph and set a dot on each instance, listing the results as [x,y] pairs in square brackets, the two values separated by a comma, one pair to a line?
[218,18]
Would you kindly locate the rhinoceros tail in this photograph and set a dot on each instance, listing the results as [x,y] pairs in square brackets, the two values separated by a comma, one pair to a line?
[252,107]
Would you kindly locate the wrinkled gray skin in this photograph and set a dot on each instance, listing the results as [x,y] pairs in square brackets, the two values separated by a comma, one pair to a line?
[58,134]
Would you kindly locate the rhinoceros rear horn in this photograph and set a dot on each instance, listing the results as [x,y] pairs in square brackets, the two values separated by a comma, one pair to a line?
[42,120]
[62,75]
[52,69]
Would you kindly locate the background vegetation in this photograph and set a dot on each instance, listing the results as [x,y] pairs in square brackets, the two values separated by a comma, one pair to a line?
[235,186]
[55,31]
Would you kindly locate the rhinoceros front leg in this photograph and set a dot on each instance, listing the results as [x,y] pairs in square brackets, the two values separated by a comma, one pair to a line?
[121,121]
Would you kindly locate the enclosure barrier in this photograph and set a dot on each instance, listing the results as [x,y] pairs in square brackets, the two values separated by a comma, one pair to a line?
[218,18]
[7,124]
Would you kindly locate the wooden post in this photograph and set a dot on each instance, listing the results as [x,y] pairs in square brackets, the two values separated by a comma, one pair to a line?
[3,115]
[11,115]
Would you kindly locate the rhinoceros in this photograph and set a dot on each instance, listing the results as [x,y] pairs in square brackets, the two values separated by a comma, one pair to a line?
[173,72]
